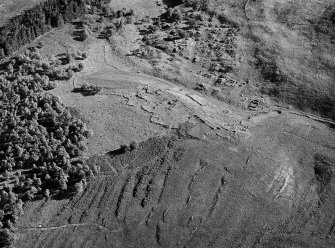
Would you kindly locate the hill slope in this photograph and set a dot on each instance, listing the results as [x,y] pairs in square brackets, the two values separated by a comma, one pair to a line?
[292,44]
[221,158]
[273,190]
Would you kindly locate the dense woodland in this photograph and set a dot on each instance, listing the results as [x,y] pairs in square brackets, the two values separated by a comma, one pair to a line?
[42,145]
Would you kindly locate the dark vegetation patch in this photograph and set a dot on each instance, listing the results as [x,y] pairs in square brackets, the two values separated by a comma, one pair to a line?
[285,89]
[324,171]
[88,90]
[268,67]
[195,4]
[325,25]
[301,98]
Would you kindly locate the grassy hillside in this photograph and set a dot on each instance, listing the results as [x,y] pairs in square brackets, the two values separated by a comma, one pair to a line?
[11,8]
[183,190]
[286,49]
[292,45]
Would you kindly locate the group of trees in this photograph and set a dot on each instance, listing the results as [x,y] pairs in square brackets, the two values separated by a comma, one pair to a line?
[88,90]
[24,28]
[29,66]
[42,145]
[103,19]
[195,4]
[117,21]
[173,15]
[107,11]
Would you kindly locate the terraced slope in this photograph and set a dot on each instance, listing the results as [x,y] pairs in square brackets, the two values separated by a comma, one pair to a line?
[194,189]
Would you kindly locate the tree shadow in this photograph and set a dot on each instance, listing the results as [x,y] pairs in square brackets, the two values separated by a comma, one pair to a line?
[87,91]
[78,38]
[172,3]
[78,24]
[116,152]
[144,32]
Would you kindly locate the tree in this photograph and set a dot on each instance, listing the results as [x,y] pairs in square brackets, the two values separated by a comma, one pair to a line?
[204,5]
[131,12]
[80,67]
[4,197]
[10,68]
[47,177]
[67,59]
[96,169]
[19,150]
[38,182]
[14,218]
[47,193]
[133,145]
[40,44]
[90,174]
[19,207]
[9,224]
[130,19]
[2,214]
[6,237]
[12,197]
[84,35]
[174,15]
[119,24]
[177,16]
[31,193]
[106,11]
[182,33]
[29,182]
[79,187]
[2,53]
[153,28]
[60,21]
[63,180]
